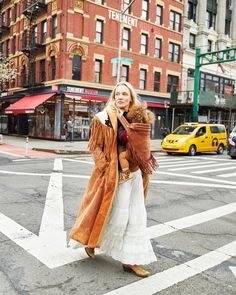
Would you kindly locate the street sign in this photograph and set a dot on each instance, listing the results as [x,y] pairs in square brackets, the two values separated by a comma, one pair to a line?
[122,59]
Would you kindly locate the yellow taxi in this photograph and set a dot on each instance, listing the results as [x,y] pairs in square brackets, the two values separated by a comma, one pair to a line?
[192,138]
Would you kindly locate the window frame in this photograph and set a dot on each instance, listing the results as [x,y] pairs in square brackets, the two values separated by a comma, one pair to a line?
[125,73]
[144,46]
[142,79]
[126,41]
[99,31]
[158,51]
[54,26]
[171,84]
[172,54]
[98,73]
[53,68]
[145,9]
[157,82]
[174,24]
[159,18]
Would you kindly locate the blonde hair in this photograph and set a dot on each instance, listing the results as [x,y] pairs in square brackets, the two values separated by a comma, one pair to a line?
[134,97]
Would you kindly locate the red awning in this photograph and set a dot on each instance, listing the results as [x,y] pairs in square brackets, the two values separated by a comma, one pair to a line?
[27,104]
[156,105]
[85,97]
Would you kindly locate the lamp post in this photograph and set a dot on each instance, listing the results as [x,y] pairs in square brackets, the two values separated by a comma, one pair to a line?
[123,11]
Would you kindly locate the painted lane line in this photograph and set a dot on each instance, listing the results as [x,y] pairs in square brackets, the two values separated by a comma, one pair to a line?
[193,184]
[191,220]
[189,163]
[52,224]
[21,160]
[210,164]
[215,157]
[24,173]
[205,166]
[178,273]
[214,170]
[171,160]
[79,161]
[233,269]
[39,248]
[227,175]
[183,176]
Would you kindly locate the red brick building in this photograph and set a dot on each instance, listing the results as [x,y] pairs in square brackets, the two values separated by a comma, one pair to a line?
[66,54]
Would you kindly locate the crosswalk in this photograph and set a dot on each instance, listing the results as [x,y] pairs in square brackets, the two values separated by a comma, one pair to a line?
[221,167]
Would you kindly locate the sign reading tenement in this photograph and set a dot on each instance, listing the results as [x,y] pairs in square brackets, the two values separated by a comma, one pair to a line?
[128,20]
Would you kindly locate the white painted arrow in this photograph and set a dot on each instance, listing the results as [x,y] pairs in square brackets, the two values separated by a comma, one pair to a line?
[52,224]
[233,269]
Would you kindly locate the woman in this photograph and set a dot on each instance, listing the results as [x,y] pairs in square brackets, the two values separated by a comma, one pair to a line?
[112,216]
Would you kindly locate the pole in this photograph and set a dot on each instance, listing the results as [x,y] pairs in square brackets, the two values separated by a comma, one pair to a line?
[173,119]
[123,11]
[196,85]
[26,146]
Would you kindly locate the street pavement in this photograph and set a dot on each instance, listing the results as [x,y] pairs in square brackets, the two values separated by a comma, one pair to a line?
[35,146]
[191,211]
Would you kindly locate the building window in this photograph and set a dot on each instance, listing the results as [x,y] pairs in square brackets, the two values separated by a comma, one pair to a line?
[7,47]
[3,19]
[142,78]
[99,1]
[34,36]
[98,71]
[23,76]
[32,74]
[15,12]
[172,83]
[54,26]
[1,48]
[175,21]
[144,43]
[76,68]
[144,9]
[157,79]
[192,9]
[126,4]
[99,31]
[174,52]
[43,31]
[158,47]
[42,71]
[8,17]
[211,14]
[159,15]
[209,46]
[228,17]
[53,68]
[125,73]
[14,45]
[126,38]
[192,41]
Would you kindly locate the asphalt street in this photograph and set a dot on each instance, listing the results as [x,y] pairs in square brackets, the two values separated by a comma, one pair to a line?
[191,222]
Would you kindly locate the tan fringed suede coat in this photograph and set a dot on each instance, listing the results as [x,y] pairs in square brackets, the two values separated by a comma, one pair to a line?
[96,204]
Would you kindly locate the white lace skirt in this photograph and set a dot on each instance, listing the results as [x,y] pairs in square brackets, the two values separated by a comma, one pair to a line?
[125,237]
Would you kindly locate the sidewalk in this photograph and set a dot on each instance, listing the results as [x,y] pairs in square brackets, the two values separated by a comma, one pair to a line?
[58,147]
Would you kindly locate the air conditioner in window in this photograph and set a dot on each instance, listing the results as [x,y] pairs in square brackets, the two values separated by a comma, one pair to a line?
[190,97]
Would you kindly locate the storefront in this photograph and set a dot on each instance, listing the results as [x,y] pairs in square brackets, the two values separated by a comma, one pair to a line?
[43,115]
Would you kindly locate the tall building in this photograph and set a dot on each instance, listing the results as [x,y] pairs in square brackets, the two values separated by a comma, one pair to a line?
[211,26]
[66,53]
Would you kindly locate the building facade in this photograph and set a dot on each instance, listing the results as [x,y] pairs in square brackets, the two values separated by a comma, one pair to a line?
[66,53]
[211,26]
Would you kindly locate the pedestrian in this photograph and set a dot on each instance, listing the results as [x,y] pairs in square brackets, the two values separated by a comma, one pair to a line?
[69,126]
[113,216]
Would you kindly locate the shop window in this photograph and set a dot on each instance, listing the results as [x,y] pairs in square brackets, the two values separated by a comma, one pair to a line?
[145,9]
[54,26]
[159,15]
[125,73]
[76,67]
[175,21]
[158,47]
[144,43]
[174,52]
[43,31]
[126,39]
[99,31]
[172,83]
[98,71]
[142,78]
[53,68]
[192,9]
[192,41]
[157,79]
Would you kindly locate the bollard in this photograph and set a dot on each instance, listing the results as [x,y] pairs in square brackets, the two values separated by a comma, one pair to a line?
[1,139]
[26,146]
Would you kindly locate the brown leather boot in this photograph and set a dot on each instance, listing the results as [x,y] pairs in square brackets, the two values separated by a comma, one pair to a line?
[90,252]
[137,270]
[124,176]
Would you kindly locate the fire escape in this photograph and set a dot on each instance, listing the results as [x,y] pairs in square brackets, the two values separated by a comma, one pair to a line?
[31,44]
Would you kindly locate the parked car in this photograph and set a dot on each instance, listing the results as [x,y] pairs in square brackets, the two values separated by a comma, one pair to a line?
[192,138]
[232,144]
